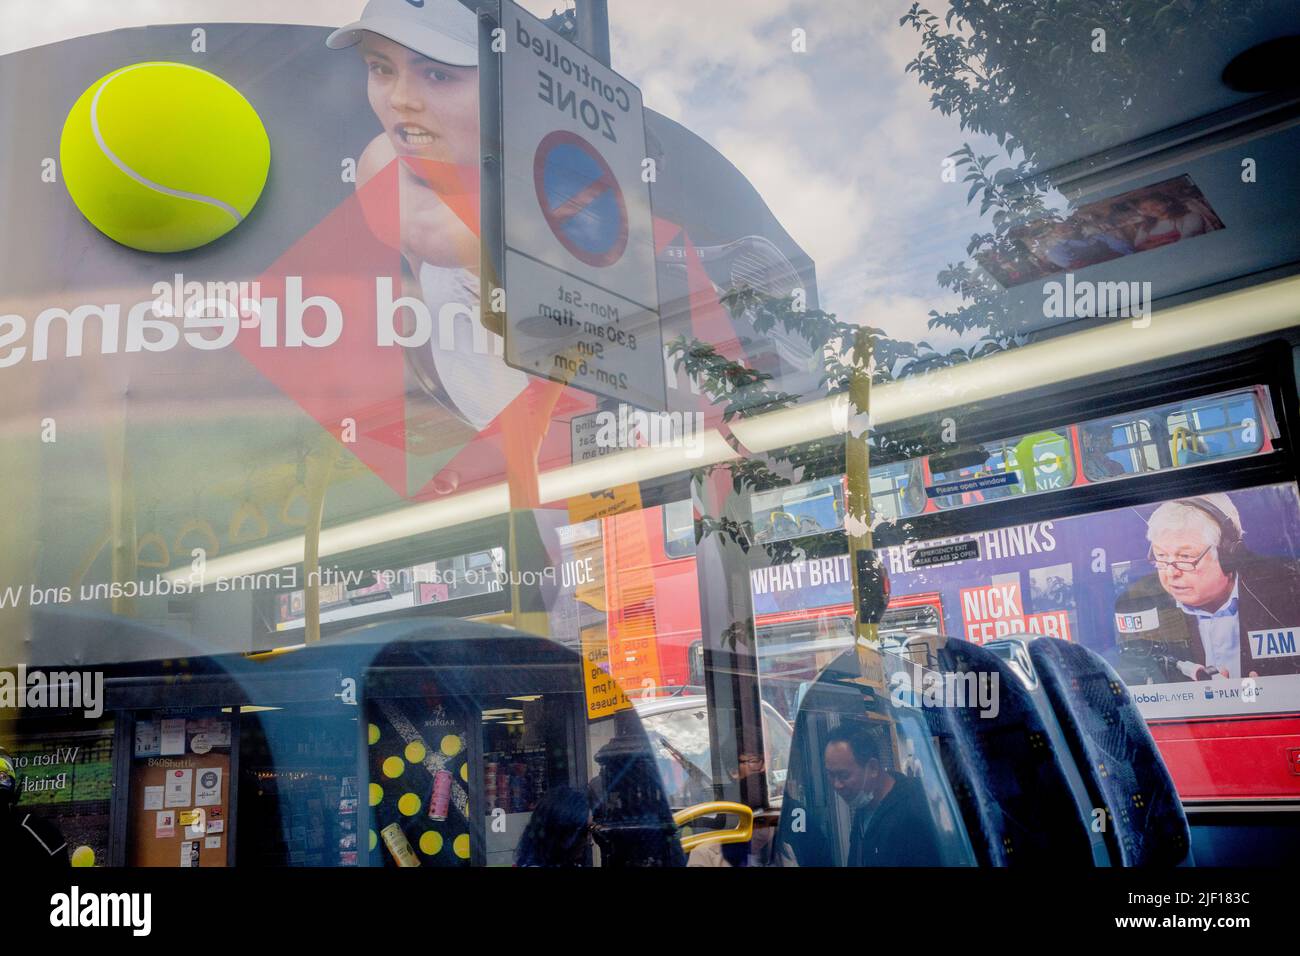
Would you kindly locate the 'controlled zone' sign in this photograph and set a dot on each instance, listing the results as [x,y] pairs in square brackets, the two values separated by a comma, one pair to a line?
[582,305]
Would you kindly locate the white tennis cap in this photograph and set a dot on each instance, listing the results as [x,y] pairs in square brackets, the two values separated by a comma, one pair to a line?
[443,30]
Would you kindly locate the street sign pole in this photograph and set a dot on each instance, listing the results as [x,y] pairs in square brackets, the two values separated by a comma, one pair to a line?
[593,28]
[574,249]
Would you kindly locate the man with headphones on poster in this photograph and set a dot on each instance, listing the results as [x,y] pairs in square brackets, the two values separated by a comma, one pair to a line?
[1210,596]
[26,841]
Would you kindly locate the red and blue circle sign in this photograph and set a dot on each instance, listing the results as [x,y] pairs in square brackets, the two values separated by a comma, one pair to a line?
[580,198]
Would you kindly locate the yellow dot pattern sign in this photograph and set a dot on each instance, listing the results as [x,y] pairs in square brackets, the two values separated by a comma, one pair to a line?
[418,791]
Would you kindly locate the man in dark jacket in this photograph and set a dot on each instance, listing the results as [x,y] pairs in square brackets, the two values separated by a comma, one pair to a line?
[1216,609]
[26,841]
[891,823]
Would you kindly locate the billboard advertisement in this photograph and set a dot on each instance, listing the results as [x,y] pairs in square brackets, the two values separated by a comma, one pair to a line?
[66,774]
[335,327]
[1194,601]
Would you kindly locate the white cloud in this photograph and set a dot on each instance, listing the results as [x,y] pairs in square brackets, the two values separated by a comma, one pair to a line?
[842,144]
[28,23]
[905,316]
[687,35]
[825,213]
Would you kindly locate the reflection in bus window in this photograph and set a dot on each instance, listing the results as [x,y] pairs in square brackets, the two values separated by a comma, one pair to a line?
[798,510]
[1173,436]
[679,529]
[1119,447]
[1027,464]
[1045,461]
[465,576]
[678,728]
[865,786]
[792,654]
[898,490]
[995,478]
[348,594]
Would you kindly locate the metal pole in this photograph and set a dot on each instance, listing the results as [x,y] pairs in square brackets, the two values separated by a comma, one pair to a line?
[857,519]
[593,28]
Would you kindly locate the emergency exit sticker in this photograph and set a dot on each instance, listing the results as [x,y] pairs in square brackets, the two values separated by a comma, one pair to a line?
[949,553]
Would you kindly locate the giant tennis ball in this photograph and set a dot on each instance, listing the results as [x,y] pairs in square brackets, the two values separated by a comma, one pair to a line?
[164,157]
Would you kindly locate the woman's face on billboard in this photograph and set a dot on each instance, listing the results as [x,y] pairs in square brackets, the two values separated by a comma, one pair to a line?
[428,109]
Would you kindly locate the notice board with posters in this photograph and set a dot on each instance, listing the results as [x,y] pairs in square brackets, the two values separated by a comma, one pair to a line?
[180,790]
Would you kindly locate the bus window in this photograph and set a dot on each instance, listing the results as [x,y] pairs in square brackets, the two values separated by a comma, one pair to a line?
[898,490]
[1119,447]
[996,477]
[797,510]
[350,594]
[855,741]
[1231,425]
[477,573]
[1224,427]
[793,653]
[679,529]
[475,482]
[1045,461]
[1026,464]
[678,729]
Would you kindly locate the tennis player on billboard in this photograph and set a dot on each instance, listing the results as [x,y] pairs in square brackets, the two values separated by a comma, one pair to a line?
[422,83]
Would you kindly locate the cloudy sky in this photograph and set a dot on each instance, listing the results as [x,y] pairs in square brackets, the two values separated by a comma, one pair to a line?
[843,145]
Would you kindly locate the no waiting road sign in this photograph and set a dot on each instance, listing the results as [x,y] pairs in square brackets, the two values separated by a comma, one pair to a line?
[580,197]
[582,305]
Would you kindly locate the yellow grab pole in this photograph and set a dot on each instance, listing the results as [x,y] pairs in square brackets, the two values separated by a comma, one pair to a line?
[523,427]
[121,496]
[857,511]
[311,544]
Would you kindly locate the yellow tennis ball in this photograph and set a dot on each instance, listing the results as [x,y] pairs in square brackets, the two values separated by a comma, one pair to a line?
[83,856]
[164,157]
[430,842]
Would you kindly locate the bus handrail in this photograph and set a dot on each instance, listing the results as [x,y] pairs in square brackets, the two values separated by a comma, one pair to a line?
[743,832]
